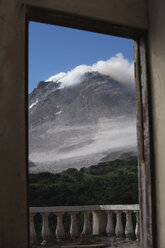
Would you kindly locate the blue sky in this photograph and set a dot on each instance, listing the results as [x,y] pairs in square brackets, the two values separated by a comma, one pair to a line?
[54,49]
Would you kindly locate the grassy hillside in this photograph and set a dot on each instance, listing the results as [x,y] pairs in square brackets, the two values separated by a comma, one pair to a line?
[114,182]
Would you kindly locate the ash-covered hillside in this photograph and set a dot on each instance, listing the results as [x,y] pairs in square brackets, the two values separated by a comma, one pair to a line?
[80,125]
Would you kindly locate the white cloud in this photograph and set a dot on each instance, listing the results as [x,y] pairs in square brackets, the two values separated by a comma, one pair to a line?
[117,67]
[112,135]
[57,77]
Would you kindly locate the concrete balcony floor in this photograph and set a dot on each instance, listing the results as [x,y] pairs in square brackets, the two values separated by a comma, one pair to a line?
[119,244]
[124,244]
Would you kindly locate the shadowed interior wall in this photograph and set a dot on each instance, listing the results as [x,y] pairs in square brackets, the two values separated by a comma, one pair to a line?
[131,13]
[13,206]
[157,65]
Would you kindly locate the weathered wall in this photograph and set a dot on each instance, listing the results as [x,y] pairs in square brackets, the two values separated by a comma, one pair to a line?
[157,63]
[128,12]
[13,214]
[13,209]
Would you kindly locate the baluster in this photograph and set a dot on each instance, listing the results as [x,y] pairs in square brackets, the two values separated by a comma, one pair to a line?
[129,231]
[137,227]
[110,230]
[99,222]
[87,225]
[45,229]
[32,229]
[73,225]
[60,232]
[119,226]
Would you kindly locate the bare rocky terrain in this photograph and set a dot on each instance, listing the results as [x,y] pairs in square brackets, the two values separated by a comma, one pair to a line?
[80,125]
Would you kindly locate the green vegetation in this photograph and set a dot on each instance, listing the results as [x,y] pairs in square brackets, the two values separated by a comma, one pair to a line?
[114,182]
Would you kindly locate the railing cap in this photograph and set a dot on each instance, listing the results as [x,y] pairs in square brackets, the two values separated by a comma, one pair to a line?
[83,208]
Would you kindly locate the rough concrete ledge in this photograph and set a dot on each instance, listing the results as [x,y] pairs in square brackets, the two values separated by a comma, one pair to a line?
[134,207]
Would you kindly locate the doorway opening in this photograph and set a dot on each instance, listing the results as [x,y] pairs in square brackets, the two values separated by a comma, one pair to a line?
[82,136]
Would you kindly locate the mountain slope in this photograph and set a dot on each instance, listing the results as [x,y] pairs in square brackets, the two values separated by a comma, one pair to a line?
[79,125]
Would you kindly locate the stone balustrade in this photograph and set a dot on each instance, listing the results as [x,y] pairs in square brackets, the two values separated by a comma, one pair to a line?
[114,221]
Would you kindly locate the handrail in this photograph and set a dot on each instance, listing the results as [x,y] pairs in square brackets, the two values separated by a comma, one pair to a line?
[134,207]
[106,219]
